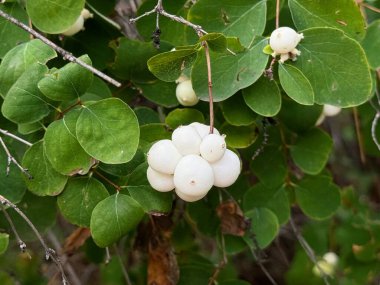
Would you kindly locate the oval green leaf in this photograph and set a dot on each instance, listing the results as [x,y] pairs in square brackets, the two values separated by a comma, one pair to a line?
[311,151]
[152,201]
[295,84]
[56,16]
[371,44]
[263,97]
[317,196]
[239,137]
[108,130]
[184,116]
[79,199]
[113,218]
[236,112]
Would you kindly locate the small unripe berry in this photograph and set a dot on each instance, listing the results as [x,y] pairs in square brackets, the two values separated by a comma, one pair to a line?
[331,258]
[327,268]
[212,147]
[226,170]
[284,40]
[202,129]
[187,140]
[185,93]
[75,28]
[189,198]
[193,176]
[163,156]
[160,181]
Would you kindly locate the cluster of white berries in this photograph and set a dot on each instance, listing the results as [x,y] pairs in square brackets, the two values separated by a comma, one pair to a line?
[283,42]
[185,93]
[79,23]
[327,265]
[192,162]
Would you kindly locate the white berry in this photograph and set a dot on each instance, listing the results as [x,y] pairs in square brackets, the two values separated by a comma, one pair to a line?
[283,42]
[193,176]
[86,14]
[323,268]
[187,140]
[189,198]
[330,110]
[160,181]
[213,147]
[182,78]
[76,27]
[226,170]
[163,156]
[331,258]
[185,93]
[202,129]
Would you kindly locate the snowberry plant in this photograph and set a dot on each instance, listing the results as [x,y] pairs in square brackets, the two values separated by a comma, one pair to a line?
[183,142]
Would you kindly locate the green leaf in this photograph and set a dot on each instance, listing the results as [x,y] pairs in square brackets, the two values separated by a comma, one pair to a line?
[79,199]
[26,129]
[275,199]
[152,201]
[336,67]
[125,168]
[4,242]
[41,211]
[342,14]
[18,59]
[10,34]
[216,41]
[56,16]
[130,59]
[168,66]
[244,19]
[184,116]
[24,102]
[113,218]
[45,181]
[295,84]
[263,97]
[154,132]
[229,73]
[239,137]
[267,50]
[108,130]
[297,117]
[146,115]
[236,112]
[317,196]
[138,176]
[160,93]
[68,82]
[371,42]
[270,166]
[63,149]
[98,90]
[12,186]
[311,151]
[264,226]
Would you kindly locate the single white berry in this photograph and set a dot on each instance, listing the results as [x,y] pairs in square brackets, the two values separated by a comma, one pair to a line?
[330,110]
[212,147]
[186,140]
[185,94]
[86,14]
[193,176]
[182,78]
[189,198]
[331,258]
[163,156]
[160,181]
[202,129]
[76,27]
[284,40]
[226,170]
[321,119]
[323,268]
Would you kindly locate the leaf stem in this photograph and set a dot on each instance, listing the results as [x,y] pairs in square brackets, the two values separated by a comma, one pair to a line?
[359,135]
[277,14]
[65,54]
[117,187]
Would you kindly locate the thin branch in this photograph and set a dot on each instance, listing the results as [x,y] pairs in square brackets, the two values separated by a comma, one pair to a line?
[308,250]
[372,8]
[262,267]
[117,187]
[108,20]
[209,80]
[277,14]
[373,129]
[66,55]
[125,272]
[49,253]
[264,142]
[20,242]
[359,135]
[11,159]
[8,134]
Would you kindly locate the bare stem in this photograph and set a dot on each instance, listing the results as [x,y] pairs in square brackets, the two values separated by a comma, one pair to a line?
[49,253]
[66,55]
[377,10]
[11,159]
[209,80]
[262,267]
[264,142]
[20,242]
[121,262]
[117,187]
[309,251]
[277,14]
[373,129]
[359,134]
[8,134]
